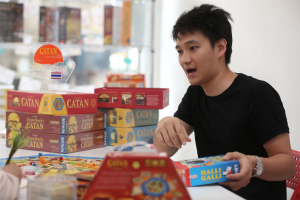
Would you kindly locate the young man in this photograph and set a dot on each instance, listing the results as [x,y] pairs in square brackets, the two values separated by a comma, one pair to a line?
[231,114]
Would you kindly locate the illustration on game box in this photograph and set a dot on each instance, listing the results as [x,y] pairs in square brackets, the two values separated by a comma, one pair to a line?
[141,176]
[122,117]
[52,103]
[68,124]
[137,98]
[206,170]
[117,136]
[58,143]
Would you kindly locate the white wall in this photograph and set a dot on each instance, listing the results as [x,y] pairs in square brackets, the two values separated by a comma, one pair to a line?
[266,45]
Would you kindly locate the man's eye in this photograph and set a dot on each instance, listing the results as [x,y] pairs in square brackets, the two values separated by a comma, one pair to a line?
[193,48]
[179,51]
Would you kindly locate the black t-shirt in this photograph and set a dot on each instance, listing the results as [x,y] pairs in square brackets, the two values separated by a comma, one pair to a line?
[243,118]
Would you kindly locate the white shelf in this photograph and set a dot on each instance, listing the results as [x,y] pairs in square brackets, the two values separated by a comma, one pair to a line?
[13,45]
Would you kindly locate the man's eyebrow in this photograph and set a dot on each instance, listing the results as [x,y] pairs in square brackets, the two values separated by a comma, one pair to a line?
[188,42]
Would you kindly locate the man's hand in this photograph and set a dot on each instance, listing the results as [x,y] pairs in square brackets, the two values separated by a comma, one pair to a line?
[241,179]
[170,132]
[12,168]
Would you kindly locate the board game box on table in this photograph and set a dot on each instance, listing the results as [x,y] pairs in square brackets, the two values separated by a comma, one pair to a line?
[118,136]
[137,176]
[122,117]
[136,98]
[52,103]
[69,124]
[206,170]
[58,143]
[81,167]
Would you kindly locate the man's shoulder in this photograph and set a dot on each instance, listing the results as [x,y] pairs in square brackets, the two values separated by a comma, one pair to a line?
[253,85]
[195,88]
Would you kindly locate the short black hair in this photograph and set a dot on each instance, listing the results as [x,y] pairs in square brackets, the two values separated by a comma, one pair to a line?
[211,21]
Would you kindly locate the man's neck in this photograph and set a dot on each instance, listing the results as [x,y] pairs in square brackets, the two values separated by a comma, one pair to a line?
[219,83]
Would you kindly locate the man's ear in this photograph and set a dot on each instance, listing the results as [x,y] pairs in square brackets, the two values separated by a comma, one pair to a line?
[221,47]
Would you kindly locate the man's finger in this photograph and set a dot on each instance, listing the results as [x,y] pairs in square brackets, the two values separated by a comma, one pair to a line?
[238,176]
[186,135]
[187,138]
[160,138]
[232,155]
[166,137]
[244,170]
[182,134]
[234,185]
[179,131]
[173,136]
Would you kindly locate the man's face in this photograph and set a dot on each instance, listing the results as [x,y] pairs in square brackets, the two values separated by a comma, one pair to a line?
[197,58]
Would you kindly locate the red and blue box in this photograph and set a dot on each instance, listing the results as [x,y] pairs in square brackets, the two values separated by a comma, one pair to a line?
[206,170]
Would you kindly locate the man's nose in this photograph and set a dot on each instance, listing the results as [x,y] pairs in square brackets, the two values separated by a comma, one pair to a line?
[186,58]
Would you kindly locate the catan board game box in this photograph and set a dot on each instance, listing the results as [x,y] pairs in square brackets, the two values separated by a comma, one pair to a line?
[137,98]
[68,124]
[125,80]
[52,103]
[133,84]
[122,117]
[206,170]
[117,136]
[137,176]
[125,77]
[58,143]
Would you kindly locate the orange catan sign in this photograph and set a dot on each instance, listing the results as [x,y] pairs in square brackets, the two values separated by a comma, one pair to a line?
[48,54]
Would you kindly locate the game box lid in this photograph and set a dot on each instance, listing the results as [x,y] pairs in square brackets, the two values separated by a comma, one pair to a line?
[136,98]
[136,176]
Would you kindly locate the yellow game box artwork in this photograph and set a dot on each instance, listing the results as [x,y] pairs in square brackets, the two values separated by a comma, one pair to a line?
[52,103]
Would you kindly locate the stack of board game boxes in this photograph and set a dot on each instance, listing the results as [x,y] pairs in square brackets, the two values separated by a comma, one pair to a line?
[132,113]
[60,123]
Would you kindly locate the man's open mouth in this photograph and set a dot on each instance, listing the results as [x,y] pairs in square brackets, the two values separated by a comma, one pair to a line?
[191,71]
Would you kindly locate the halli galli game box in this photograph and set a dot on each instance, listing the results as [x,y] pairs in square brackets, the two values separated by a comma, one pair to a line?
[206,170]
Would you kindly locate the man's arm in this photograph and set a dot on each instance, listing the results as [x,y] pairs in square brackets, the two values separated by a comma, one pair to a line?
[279,166]
[170,134]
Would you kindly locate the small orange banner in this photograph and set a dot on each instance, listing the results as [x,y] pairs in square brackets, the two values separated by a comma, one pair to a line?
[48,54]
